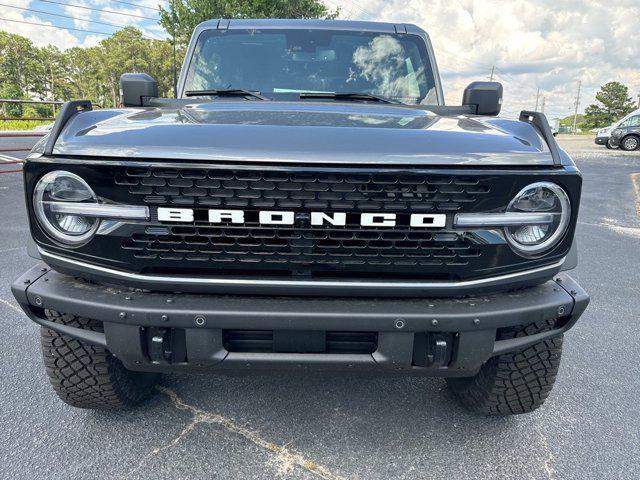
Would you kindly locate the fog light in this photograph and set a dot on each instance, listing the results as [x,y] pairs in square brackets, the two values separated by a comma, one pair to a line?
[542,197]
[60,188]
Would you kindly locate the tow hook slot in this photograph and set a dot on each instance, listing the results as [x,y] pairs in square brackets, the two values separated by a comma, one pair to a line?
[159,345]
[166,345]
[432,350]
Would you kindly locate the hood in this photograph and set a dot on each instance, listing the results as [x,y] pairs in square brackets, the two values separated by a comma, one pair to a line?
[304,133]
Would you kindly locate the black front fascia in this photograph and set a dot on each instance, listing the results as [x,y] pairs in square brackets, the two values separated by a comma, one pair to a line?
[200,249]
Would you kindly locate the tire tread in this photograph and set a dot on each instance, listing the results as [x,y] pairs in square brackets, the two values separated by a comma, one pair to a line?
[515,382]
[89,376]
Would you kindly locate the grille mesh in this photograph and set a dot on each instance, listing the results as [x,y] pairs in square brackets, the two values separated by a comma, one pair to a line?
[302,249]
[344,191]
[282,246]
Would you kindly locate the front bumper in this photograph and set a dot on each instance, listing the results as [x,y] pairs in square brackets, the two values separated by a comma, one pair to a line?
[602,140]
[174,332]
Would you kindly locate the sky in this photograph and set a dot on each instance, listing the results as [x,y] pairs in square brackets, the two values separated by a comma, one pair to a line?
[550,45]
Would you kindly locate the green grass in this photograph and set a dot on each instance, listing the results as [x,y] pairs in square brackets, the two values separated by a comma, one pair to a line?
[21,124]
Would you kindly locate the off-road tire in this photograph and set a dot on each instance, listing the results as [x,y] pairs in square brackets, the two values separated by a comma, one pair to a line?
[516,382]
[88,376]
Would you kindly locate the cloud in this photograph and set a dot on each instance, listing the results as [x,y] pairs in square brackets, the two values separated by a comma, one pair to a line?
[81,16]
[550,44]
[124,16]
[38,34]
[83,19]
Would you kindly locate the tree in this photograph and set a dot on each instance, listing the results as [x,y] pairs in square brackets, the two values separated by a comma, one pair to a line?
[182,16]
[613,103]
[10,90]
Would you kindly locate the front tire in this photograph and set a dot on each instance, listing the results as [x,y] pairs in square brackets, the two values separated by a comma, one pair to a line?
[516,382]
[609,145]
[88,376]
[630,143]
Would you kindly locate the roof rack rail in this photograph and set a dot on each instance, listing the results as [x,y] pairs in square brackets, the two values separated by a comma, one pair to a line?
[539,121]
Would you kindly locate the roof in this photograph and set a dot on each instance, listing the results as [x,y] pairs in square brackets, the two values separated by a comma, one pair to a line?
[311,24]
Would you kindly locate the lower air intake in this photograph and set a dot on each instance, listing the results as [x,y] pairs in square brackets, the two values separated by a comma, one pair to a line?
[268,341]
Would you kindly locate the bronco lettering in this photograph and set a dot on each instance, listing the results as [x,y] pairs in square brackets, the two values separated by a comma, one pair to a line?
[416,220]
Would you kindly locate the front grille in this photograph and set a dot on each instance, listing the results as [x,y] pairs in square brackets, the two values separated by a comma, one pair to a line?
[301,249]
[333,191]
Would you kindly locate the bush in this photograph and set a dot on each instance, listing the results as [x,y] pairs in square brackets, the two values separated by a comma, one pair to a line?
[20,124]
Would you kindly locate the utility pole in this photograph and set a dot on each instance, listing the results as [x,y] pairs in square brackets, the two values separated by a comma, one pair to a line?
[544,101]
[537,99]
[575,113]
[493,69]
[175,67]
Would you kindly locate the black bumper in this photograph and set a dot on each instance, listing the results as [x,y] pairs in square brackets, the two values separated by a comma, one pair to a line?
[601,140]
[173,332]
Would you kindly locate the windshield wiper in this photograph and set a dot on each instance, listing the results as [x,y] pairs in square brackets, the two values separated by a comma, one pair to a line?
[350,96]
[225,92]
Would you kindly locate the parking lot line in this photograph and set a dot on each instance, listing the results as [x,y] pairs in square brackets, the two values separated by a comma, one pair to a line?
[635,179]
[11,305]
[9,158]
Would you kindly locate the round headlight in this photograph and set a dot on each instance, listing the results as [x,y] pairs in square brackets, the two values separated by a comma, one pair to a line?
[546,198]
[55,188]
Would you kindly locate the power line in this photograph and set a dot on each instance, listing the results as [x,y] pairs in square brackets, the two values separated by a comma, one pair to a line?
[56,26]
[348,16]
[136,5]
[100,10]
[69,16]
[362,10]
[507,75]
[65,28]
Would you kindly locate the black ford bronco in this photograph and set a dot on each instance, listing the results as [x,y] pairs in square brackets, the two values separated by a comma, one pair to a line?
[306,202]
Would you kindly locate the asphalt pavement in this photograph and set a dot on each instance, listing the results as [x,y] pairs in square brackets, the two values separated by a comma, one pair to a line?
[327,426]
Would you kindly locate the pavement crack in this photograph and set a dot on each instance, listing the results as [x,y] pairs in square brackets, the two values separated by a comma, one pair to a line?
[284,459]
[185,431]
[550,459]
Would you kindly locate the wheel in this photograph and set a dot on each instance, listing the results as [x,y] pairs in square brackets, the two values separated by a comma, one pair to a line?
[516,382]
[609,145]
[87,376]
[630,143]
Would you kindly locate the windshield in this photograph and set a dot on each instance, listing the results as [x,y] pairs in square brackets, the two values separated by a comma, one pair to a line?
[279,63]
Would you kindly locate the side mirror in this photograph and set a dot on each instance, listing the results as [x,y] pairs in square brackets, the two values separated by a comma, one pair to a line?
[136,88]
[486,97]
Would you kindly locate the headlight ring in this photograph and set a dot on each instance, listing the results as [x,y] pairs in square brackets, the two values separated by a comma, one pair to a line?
[540,197]
[62,186]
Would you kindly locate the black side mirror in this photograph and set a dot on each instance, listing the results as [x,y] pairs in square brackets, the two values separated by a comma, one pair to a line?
[136,88]
[486,97]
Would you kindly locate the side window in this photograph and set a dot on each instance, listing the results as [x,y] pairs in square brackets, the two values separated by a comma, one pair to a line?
[631,122]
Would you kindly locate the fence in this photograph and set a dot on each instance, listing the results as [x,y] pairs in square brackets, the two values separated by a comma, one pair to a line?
[11,101]
[10,142]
